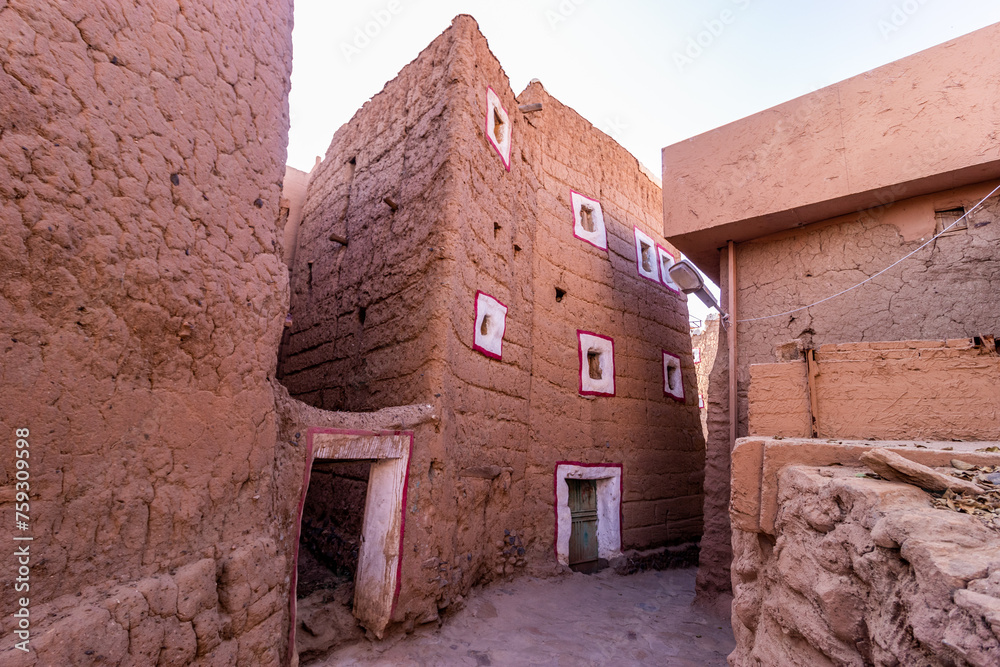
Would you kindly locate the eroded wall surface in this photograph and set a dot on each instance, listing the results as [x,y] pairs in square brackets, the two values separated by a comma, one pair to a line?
[707,343]
[656,438]
[481,487]
[946,291]
[141,158]
[858,571]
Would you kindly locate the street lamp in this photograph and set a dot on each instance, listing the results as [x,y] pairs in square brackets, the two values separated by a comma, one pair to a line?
[687,277]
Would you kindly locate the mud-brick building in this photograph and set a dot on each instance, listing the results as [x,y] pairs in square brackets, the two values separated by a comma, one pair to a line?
[813,197]
[498,257]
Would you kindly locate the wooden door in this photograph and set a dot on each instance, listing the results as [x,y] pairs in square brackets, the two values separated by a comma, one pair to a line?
[583,533]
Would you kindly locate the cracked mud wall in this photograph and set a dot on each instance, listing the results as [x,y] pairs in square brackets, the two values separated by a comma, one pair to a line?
[707,342]
[142,294]
[946,291]
[480,496]
[861,571]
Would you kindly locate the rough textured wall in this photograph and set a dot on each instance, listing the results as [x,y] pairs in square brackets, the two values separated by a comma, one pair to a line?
[945,291]
[657,440]
[864,572]
[480,492]
[716,550]
[363,318]
[141,158]
[930,390]
[707,343]
[779,400]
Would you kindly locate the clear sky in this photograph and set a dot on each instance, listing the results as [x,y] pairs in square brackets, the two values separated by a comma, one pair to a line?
[648,73]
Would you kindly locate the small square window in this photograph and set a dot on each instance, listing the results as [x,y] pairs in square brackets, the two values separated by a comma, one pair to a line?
[588,220]
[491,323]
[696,353]
[498,130]
[597,364]
[666,259]
[646,260]
[673,382]
[953,220]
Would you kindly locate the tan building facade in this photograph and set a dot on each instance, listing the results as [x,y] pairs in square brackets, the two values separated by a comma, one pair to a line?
[496,256]
[821,197]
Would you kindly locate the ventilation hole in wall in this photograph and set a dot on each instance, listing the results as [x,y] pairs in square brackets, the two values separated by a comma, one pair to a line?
[949,219]
[647,256]
[517,248]
[560,293]
[673,378]
[484,328]
[362,314]
[594,364]
[977,341]
[496,228]
[587,218]
[353,162]
[498,125]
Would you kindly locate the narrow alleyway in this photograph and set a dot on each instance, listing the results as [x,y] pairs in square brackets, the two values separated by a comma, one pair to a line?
[603,619]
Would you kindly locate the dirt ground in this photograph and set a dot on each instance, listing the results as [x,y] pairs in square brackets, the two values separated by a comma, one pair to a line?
[575,619]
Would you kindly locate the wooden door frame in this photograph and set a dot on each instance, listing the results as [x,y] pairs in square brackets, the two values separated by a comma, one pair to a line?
[380,560]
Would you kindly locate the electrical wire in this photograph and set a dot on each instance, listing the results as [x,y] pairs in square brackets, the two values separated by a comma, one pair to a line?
[876,275]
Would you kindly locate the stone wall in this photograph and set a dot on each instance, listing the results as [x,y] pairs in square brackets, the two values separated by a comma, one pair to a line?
[932,390]
[459,222]
[141,160]
[834,568]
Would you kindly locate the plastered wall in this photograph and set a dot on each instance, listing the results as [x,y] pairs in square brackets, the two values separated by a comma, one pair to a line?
[945,291]
[481,487]
[931,390]
[141,158]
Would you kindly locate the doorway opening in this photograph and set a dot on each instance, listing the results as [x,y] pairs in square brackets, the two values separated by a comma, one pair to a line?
[588,514]
[349,535]
[329,546]
[583,531]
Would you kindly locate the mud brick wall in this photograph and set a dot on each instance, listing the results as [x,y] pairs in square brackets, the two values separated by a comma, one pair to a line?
[464,223]
[141,157]
[333,512]
[946,291]
[365,314]
[708,343]
[657,440]
[858,571]
[927,389]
